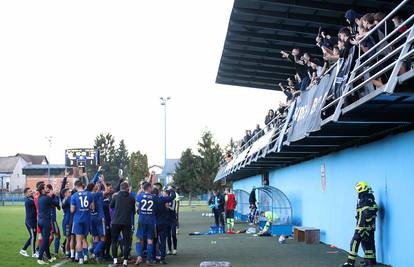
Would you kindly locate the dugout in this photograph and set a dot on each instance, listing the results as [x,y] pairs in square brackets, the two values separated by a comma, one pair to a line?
[242,208]
[272,199]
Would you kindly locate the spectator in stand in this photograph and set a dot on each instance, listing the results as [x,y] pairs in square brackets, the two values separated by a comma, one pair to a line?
[293,87]
[257,133]
[269,117]
[345,36]
[368,22]
[247,137]
[288,92]
[397,23]
[353,19]
[331,56]
[324,40]
[316,70]
[300,66]
[378,17]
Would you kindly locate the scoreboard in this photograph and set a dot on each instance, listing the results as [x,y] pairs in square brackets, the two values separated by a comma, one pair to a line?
[81,157]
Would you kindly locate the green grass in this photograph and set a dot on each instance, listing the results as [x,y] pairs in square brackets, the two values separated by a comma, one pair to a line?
[241,250]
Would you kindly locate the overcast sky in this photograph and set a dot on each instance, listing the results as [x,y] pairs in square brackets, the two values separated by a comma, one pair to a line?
[73,69]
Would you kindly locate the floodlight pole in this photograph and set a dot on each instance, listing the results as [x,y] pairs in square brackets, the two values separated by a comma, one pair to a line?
[164,103]
[2,196]
[49,139]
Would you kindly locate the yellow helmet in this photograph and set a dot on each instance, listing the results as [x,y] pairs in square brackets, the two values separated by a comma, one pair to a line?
[361,187]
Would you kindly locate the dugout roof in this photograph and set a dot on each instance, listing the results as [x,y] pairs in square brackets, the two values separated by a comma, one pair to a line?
[259,29]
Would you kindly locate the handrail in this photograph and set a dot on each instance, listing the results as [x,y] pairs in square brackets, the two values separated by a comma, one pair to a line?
[379,62]
[379,73]
[242,148]
[379,51]
[385,39]
[246,145]
[392,13]
[349,89]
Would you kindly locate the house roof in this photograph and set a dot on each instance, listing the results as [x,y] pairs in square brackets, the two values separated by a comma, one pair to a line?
[170,166]
[7,164]
[44,167]
[33,159]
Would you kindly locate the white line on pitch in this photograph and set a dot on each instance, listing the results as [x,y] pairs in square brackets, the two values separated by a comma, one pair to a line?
[60,263]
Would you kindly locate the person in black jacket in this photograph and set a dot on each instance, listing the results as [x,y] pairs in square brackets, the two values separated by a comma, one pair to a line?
[30,222]
[46,201]
[216,203]
[269,117]
[252,205]
[107,200]
[124,205]
[163,224]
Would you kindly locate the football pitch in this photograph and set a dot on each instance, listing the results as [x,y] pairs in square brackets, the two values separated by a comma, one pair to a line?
[241,250]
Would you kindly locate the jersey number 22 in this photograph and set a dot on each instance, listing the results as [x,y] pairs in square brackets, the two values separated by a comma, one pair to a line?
[146,205]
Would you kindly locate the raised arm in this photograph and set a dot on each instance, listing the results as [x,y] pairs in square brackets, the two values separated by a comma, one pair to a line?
[97,175]
[64,183]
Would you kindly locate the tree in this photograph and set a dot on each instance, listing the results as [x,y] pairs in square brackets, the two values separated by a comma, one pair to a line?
[186,173]
[231,147]
[210,156]
[121,160]
[138,168]
[106,145]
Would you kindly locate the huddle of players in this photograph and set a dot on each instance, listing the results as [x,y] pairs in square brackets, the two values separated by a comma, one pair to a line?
[101,211]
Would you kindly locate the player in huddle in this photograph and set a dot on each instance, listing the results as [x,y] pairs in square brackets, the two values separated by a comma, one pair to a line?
[147,201]
[81,204]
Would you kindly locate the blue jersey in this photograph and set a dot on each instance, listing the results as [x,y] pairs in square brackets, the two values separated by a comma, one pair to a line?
[66,210]
[99,209]
[146,207]
[82,201]
[53,209]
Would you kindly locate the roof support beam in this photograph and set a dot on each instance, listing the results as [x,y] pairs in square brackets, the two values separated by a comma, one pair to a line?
[337,8]
[268,81]
[331,22]
[314,51]
[297,30]
[281,69]
[276,38]
[251,84]
[254,73]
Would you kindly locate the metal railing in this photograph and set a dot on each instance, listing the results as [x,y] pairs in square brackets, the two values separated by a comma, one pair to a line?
[375,62]
[361,70]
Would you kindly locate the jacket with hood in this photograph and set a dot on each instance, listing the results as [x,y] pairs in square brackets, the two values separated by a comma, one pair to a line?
[123,205]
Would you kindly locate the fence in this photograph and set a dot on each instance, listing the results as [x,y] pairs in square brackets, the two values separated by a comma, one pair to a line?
[11,199]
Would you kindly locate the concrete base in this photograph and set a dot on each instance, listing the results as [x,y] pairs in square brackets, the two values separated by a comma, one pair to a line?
[215,264]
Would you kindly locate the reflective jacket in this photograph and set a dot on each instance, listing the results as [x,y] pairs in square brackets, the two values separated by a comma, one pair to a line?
[366,212]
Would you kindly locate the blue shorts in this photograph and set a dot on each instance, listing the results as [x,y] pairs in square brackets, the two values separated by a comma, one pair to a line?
[98,226]
[55,228]
[145,230]
[65,227]
[80,228]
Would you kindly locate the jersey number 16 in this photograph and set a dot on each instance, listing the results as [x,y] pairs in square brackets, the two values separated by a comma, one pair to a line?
[84,201]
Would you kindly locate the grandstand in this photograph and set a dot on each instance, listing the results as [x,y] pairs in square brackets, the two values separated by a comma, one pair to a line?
[354,123]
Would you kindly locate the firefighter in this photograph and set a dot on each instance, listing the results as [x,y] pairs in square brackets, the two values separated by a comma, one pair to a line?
[365,227]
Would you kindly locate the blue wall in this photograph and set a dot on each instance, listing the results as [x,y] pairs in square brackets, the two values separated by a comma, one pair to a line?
[387,165]
[248,183]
